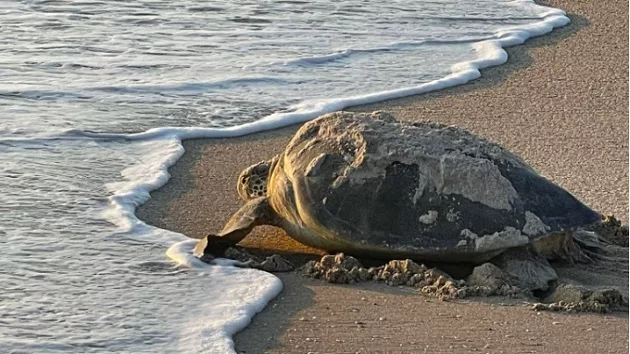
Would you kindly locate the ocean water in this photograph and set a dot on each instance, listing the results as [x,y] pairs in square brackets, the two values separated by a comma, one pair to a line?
[95,98]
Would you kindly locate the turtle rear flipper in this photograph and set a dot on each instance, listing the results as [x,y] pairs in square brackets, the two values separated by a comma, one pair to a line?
[255,212]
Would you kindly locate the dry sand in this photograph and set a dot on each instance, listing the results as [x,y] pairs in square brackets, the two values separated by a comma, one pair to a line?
[561,102]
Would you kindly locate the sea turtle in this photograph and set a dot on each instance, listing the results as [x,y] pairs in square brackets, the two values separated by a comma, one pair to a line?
[368,185]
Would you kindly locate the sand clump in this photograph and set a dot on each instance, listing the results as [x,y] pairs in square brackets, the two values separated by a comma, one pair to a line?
[573,298]
[613,230]
[273,263]
[486,280]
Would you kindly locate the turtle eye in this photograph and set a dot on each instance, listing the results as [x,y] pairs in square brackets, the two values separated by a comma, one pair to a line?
[243,180]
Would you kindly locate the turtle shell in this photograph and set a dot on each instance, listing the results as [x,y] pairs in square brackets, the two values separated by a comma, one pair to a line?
[366,183]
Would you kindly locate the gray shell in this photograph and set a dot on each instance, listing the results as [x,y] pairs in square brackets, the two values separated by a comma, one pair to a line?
[366,183]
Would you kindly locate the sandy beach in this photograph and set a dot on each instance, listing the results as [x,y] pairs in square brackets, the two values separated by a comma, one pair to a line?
[561,102]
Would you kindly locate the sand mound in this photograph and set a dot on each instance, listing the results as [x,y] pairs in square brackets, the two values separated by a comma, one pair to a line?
[485,280]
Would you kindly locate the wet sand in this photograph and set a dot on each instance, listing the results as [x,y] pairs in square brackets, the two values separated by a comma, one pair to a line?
[561,102]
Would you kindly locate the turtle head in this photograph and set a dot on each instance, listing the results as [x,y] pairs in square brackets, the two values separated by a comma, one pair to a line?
[252,182]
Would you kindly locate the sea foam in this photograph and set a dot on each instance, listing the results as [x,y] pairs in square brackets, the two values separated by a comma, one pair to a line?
[241,294]
[489,52]
[237,295]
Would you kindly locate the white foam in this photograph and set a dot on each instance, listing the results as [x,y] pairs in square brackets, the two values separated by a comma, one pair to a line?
[231,304]
[239,294]
[321,59]
[182,253]
[490,53]
[318,59]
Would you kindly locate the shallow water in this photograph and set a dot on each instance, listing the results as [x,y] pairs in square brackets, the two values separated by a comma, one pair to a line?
[88,91]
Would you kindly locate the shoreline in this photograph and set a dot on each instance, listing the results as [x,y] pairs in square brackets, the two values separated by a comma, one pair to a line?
[560,102]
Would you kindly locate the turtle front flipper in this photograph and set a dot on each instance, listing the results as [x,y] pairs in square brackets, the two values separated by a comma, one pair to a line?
[255,212]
